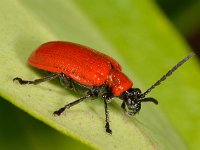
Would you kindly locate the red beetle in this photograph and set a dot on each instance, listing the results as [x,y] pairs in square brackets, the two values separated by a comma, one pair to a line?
[85,69]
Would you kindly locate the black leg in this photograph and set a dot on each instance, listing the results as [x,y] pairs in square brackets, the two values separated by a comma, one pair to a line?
[91,94]
[106,97]
[59,111]
[66,81]
[123,106]
[107,126]
[37,81]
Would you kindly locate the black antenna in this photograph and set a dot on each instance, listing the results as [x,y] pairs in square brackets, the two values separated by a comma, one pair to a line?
[168,73]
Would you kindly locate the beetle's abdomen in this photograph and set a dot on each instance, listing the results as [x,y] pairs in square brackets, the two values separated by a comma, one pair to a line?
[118,82]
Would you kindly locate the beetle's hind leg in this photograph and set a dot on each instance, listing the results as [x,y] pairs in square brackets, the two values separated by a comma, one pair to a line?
[66,81]
[38,81]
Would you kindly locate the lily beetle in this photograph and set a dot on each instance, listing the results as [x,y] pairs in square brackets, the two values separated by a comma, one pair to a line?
[82,68]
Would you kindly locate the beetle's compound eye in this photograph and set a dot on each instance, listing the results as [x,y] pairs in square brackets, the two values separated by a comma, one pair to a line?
[132,93]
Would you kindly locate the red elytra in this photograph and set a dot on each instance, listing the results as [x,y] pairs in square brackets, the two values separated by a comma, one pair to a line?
[82,64]
[85,69]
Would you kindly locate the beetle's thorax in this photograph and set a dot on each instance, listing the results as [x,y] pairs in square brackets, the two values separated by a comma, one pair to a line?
[118,82]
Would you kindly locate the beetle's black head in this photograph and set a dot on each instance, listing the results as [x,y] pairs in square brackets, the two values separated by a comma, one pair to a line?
[133,98]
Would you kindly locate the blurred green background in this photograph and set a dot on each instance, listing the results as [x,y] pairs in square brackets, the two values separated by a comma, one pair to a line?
[17,127]
[185,16]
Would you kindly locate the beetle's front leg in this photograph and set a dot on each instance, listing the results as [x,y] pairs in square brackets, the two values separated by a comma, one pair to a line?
[106,98]
[123,106]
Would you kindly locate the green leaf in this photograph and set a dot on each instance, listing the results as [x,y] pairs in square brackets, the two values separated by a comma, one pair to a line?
[133,32]
[18,127]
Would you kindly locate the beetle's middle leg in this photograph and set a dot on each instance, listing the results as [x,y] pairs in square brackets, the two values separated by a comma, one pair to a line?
[93,93]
